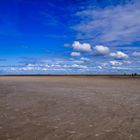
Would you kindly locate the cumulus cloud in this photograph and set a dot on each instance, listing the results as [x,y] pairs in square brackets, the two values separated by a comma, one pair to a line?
[127,68]
[103,50]
[84,59]
[79,66]
[75,54]
[136,54]
[100,67]
[115,63]
[43,68]
[83,47]
[114,24]
[119,55]
[26,68]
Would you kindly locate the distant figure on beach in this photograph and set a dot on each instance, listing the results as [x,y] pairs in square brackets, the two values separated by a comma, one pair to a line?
[134,74]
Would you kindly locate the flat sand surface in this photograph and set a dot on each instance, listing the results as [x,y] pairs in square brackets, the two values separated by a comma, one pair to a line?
[69,108]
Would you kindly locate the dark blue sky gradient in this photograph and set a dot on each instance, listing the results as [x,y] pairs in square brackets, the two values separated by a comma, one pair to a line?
[44,30]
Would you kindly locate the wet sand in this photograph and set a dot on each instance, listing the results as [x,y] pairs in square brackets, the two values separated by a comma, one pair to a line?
[69,108]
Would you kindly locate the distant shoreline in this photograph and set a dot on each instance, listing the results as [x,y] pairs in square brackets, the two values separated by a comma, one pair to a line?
[94,75]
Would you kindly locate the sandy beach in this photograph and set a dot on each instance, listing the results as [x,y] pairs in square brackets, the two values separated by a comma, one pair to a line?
[69,108]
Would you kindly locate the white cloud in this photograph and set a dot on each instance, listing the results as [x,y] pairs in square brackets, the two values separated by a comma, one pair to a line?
[30,65]
[75,54]
[100,49]
[100,67]
[119,55]
[114,24]
[37,67]
[27,68]
[78,66]
[127,62]
[75,66]
[77,61]
[115,63]
[83,47]
[84,59]
[126,68]
[136,53]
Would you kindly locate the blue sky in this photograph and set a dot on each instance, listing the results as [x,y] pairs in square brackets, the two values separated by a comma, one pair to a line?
[69,36]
